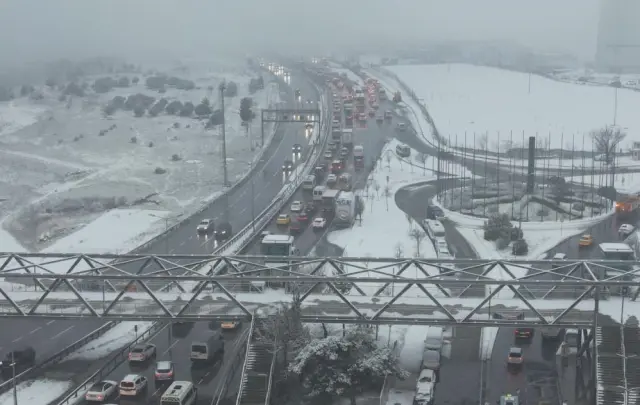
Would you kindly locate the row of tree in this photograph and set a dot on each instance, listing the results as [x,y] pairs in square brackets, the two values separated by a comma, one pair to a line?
[328,368]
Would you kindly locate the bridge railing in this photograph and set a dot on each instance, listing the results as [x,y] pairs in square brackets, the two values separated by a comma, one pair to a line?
[246,360]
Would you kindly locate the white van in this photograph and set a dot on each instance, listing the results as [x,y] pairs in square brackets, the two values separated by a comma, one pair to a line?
[571,338]
[434,339]
[309,182]
[318,191]
[434,229]
[180,393]
[403,151]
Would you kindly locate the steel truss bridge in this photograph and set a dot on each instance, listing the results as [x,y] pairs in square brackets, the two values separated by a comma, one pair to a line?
[332,290]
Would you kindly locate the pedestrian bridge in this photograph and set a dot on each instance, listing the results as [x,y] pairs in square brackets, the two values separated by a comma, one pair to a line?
[343,290]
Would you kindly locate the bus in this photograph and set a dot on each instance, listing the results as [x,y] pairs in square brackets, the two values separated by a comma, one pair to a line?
[277,245]
[616,251]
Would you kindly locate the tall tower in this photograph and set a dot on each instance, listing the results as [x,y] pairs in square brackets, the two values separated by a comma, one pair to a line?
[618,48]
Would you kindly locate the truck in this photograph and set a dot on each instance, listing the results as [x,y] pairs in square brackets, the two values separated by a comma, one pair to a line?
[627,206]
[358,156]
[345,209]
[347,137]
[276,245]
[328,203]
[336,134]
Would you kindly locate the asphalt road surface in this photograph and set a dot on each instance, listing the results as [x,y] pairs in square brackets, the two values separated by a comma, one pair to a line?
[49,337]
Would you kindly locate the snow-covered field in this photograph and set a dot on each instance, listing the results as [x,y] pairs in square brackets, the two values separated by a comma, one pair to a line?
[483,100]
[36,392]
[385,229]
[63,163]
[628,183]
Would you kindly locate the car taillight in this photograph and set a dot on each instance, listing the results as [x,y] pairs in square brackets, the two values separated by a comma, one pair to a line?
[100,397]
[130,356]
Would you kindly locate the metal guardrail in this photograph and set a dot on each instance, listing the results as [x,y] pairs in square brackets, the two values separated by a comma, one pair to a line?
[267,399]
[57,357]
[246,360]
[113,363]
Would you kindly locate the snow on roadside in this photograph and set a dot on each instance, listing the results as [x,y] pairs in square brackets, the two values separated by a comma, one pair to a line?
[8,243]
[36,392]
[412,348]
[628,183]
[382,220]
[14,117]
[350,75]
[118,337]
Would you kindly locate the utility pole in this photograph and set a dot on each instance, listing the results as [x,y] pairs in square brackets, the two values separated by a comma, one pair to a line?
[224,138]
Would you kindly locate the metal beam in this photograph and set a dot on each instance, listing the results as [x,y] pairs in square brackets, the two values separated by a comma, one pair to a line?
[562,296]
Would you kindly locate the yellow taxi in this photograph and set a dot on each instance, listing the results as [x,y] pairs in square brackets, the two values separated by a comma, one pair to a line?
[283,219]
[229,325]
[585,241]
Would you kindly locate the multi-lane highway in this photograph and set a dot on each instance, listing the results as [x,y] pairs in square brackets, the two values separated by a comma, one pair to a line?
[49,337]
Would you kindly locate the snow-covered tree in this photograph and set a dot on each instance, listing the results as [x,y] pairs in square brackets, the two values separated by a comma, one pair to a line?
[284,329]
[344,366]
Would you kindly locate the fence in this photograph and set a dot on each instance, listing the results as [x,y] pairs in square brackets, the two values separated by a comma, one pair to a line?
[246,360]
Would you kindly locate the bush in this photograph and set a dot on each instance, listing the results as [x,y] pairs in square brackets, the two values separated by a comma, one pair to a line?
[175,157]
[216,118]
[5,94]
[502,243]
[159,170]
[202,110]
[138,111]
[73,89]
[497,225]
[520,247]
[156,82]
[578,206]
[138,99]
[104,84]
[231,90]
[173,107]
[123,82]
[187,109]
[516,233]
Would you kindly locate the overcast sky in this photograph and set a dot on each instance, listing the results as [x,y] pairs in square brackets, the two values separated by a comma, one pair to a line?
[41,29]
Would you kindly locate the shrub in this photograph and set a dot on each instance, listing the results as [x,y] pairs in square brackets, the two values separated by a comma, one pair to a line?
[497,225]
[159,170]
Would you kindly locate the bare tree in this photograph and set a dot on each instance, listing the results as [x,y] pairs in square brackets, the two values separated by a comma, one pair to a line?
[507,144]
[283,328]
[371,197]
[376,186]
[606,141]
[408,216]
[400,162]
[388,158]
[418,235]
[422,158]
[482,141]
[387,194]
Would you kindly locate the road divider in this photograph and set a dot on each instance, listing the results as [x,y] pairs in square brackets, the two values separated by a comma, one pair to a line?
[76,394]
[56,358]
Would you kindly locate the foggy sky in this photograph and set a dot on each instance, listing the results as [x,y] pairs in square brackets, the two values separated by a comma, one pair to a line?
[45,29]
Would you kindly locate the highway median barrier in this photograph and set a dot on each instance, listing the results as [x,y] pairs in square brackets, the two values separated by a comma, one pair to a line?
[76,395]
[56,358]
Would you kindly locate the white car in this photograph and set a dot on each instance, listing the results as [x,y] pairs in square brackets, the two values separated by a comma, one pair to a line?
[332,178]
[205,226]
[426,383]
[133,385]
[443,253]
[101,391]
[142,352]
[296,206]
[319,223]
[625,229]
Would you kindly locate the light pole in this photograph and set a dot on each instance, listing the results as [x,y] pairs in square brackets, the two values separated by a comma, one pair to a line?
[166,228]
[253,203]
[13,378]
[224,137]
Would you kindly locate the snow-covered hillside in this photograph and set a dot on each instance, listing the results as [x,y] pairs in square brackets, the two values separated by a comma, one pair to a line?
[482,100]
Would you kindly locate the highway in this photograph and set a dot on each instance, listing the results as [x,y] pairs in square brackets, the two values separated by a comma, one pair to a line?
[49,337]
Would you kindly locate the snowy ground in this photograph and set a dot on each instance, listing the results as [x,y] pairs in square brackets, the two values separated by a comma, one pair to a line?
[118,337]
[540,236]
[482,100]
[628,183]
[350,75]
[36,392]
[59,173]
[382,220]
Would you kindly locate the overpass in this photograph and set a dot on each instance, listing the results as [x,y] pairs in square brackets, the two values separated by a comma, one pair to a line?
[338,290]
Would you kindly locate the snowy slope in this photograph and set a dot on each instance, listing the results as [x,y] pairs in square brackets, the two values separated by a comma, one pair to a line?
[483,100]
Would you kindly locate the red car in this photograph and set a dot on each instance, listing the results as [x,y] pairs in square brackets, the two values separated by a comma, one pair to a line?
[303,217]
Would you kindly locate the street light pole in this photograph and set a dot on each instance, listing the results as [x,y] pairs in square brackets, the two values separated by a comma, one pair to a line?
[224,138]
[253,203]
[15,387]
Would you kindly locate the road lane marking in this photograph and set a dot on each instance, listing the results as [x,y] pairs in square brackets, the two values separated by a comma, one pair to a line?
[182,243]
[171,250]
[35,330]
[63,332]
[156,392]
[170,347]
[50,322]
[16,339]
